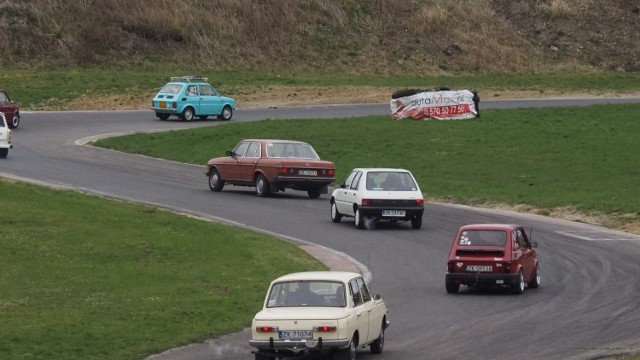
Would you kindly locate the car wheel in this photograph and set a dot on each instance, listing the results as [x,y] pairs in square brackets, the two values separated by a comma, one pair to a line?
[215,181]
[416,222]
[202,117]
[4,153]
[162,116]
[313,193]
[359,219]
[15,121]
[535,283]
[335,214]
[518,288]
[187,114]
[378,345]
[452,288]
[348,353]
[226,113]
[262,186]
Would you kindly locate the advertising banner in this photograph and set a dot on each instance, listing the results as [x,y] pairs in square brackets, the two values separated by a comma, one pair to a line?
[441,105]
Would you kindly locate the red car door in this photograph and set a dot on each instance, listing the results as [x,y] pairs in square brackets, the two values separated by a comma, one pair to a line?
[246,164]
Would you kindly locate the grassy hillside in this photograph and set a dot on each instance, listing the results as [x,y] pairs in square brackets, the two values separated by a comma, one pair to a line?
[361,36]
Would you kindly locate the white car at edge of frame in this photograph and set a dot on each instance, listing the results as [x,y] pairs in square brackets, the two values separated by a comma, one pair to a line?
[378,194]
[327,312]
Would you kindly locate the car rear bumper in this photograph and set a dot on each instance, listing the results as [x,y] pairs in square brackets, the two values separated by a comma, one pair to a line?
[164,110]
[302,183]
[297,346]
[376,212]
[471,279]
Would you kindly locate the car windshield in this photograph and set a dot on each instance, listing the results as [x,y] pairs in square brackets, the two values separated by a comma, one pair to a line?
[483,238]
[390,181]
[291,150]
[307,293]
[171,88]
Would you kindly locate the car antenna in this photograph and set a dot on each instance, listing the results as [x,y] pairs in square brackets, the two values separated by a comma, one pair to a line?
[531,234]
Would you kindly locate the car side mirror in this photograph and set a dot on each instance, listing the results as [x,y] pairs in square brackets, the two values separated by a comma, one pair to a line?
[377,297]
[342,186]
[230,153]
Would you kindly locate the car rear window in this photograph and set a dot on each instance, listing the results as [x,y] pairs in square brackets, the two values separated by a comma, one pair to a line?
[390,181]
[307,293]
[482,238]
[291,150]
[171,88]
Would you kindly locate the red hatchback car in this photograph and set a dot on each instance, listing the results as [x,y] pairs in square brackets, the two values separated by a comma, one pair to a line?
[272,166]
[492,255]
[9,109]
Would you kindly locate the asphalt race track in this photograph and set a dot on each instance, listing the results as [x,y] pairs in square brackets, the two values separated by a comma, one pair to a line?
[586,306]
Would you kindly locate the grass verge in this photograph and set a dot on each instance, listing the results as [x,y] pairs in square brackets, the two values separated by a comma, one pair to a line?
[88,278]
[72,89]
[567,159]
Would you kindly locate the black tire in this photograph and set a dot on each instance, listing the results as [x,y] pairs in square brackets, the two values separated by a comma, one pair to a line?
[215,181]
[452,288]
[226,114]
[378,345]
[15,122]
[416,222]
[313,193]
[346,354]
[262,186]
[163,116]
[3,153]
[335,214]
[535,282]
[518,288]
[359,219]
[202,117]
[188,114]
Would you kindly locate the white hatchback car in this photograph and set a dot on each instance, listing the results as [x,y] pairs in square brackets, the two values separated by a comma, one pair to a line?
[378,194]
[326,312]
[5,137]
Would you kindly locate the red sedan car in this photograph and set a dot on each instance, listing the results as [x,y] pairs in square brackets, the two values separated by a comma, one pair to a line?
[9,109]
[499,255]
[272,166]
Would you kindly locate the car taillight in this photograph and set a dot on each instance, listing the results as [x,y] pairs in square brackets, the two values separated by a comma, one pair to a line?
[366,202]
[283,170]
[174,105]
[507,267]
[420,202]
[266,329]
[450,266]
[331,172]
[324,328]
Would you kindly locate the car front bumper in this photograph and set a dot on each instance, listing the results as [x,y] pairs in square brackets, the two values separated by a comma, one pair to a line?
[473,279]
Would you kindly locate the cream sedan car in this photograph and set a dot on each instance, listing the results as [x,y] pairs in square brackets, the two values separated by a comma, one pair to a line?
[330,312]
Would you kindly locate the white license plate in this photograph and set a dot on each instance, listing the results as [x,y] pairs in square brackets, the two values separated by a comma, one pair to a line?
[479,268]
[295,334]
[393,213]
[308,172]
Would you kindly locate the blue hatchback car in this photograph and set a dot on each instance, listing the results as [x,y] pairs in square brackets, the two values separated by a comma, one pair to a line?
[191,96]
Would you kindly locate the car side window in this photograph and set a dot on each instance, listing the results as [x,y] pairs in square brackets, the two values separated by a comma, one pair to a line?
[514,239]
[241,149]
[3,97]
[254,150]
[355,292]
[349,180]
[205,90]
[521,239]
[366,296]
[356,181]
[191,90]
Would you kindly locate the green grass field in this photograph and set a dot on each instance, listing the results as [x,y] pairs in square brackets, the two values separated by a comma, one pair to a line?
[583,157]
[55,88]
[82,277]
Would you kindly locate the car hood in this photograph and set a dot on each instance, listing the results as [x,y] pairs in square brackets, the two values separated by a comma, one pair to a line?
[303,313]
